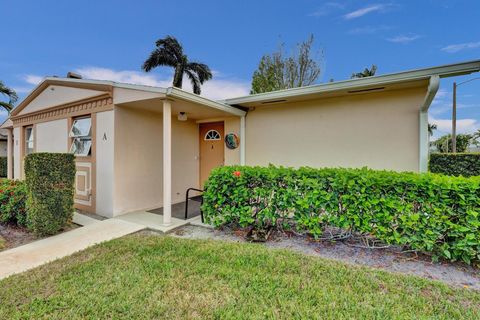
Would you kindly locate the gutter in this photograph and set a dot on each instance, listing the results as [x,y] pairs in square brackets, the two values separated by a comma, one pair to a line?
[423,135]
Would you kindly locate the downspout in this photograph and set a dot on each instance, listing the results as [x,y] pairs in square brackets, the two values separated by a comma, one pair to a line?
[423,123]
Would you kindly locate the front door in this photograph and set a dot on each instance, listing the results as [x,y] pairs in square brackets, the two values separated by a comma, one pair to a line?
[211,149]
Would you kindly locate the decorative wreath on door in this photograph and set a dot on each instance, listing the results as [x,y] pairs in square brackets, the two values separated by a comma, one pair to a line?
[232,141]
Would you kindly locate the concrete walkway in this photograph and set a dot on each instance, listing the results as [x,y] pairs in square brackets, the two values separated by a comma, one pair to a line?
[34,254]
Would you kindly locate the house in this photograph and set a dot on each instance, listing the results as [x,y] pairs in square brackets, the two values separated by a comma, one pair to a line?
[141,147]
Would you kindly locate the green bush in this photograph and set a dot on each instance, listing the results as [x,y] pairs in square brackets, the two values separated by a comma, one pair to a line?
[50,188]
[3,167]
[455,164]
[13,195]
[424,212]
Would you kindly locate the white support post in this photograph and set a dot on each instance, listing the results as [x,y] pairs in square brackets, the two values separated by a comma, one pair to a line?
[167,162]
[423,142]
[10,153]
[242,140]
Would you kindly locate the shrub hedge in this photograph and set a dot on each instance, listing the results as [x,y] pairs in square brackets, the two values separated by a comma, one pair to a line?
[3,167]
[455,164]
[13,196]
[50,187]
[424,212]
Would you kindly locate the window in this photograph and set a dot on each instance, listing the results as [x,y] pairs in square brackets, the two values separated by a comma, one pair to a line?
[81,133]
[213,135]
[29,140]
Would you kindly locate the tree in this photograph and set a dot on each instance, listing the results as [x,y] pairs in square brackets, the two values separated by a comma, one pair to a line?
[276,71]
[11,95]
[431,128]
[169,52]
[444,143]
[365,73]
[476,138]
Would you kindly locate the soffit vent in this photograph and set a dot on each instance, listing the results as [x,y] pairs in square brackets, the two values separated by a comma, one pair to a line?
[274,101]
[366,90]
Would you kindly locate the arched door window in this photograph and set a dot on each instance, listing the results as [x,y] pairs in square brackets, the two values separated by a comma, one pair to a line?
[212,135]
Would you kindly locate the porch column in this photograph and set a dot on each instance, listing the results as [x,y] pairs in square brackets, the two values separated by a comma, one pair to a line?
[167,162]
[242,140]
[10,153]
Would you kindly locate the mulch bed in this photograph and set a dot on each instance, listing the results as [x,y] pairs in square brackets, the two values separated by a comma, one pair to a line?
[13,236]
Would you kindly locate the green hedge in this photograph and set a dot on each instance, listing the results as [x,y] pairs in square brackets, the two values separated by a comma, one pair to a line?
[424,212]
[455,164]
[3,167]
[50,187]
[13,196]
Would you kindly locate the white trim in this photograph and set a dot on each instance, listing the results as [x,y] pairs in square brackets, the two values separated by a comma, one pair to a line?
[423,137]
[167,163]
[242,140]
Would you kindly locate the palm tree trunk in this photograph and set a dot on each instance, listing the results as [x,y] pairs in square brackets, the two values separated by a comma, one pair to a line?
[178,77]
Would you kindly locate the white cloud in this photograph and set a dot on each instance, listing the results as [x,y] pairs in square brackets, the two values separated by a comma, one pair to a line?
[22,89]
[461,46]
[124,76]
[217,89]
[404,39]
[444,126]
[326,9]
[32,79]
[363,11]
[441,94]
[369,29]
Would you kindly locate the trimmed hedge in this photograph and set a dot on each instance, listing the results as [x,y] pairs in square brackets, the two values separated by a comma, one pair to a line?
[3,167]
[455,164]
[13,196]
[50,186]
[424,212]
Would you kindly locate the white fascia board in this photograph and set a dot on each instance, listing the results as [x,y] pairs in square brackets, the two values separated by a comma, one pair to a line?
[405,76]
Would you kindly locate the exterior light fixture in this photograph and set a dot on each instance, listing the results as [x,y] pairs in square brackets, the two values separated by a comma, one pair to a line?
[182,116]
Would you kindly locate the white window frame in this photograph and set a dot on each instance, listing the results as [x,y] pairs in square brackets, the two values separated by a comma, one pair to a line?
[30,140]
[206,138]
[81,137]
[73,135]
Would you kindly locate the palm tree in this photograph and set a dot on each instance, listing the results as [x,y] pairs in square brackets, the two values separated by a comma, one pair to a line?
[169,52]
[365,73]
[431,127]
[11,94]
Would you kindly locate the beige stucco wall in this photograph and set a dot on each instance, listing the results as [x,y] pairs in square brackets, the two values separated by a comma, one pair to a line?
[138,159]
[376,130]
[232,156]
[52,136]
[55,95]
[105,137]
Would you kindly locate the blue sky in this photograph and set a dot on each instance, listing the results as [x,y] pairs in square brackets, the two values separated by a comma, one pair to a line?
[111,39]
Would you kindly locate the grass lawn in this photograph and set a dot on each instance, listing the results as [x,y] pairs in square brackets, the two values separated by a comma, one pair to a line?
[142,276]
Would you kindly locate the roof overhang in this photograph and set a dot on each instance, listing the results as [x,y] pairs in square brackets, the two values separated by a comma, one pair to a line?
[108,86]
[356,86]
